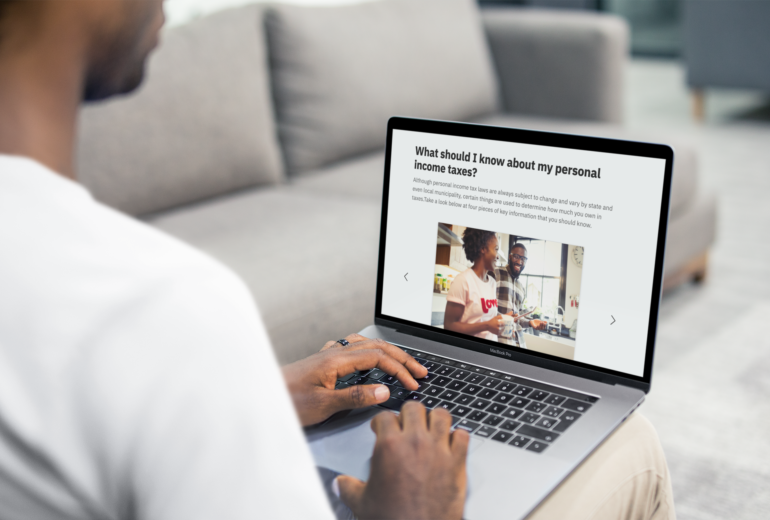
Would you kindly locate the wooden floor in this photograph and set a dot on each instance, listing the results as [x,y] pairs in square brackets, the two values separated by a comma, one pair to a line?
[716,470]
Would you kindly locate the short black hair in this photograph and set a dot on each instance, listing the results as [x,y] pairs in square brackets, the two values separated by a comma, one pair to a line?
[474,240]
[517,244]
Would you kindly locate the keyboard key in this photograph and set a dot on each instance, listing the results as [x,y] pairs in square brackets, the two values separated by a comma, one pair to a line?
[504,398]
[445,371]
[493,420]
[536,407]
[486,394]
[349,377]
[430,402]
[537,447]
[432,366]
[522,391]
[415,396]
[421,360]
[464,399]
[576,406]
[510,425]
[486,431]
[493,373]
[456,386]
[472,389]
[461,411]
[358,381]
[393,404]
[388,379]
[502,436]
[341,385]
[433,391]
[428,379]
[479,404]
[506,377]
[529,418]
[512,413]
[477,370]
[519,441]
[491,382]
[538,395]
[464,366]
[442,381]
[455,420]
[496,408]
[399,393]
[555,399]
[431,357]
[519,402]
[468,426]
[477,416]
[566,421]
[547,423]
[376,374]
[553,411]
[475,379]
[446,405]
[460,374]
[421,387]
[506,386]
[538,433]
[449,395]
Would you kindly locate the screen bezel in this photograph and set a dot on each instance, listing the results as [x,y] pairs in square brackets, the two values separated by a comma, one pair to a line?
[540,138]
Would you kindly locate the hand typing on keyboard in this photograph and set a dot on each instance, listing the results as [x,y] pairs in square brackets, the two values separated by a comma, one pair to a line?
[417,469]
[311,381]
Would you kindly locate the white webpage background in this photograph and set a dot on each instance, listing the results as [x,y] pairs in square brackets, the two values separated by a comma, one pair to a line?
[620,249]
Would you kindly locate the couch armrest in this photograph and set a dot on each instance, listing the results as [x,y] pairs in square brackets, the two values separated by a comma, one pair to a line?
[562,64]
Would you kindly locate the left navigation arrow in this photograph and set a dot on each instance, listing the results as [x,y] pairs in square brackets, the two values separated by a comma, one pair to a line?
[405,278]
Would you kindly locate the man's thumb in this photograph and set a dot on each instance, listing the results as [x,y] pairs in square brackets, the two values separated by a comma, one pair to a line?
[350,490]
[360,396]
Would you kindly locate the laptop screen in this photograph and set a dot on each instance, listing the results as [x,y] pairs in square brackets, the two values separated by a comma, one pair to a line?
[531,242]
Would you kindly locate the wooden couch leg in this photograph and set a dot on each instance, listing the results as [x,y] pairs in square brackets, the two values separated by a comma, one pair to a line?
[698,105]
[695,270]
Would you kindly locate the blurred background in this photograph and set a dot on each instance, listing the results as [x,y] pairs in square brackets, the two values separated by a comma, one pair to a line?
[267,152]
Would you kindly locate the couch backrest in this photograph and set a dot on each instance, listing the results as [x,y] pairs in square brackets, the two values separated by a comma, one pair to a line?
[201,125]
[340,72]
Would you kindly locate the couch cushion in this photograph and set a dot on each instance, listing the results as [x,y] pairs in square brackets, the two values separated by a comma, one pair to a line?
[340,72]
[360,177]
[684,182]
[309,260]
[200,125]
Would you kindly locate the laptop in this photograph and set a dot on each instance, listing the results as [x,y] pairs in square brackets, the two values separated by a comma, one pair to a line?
[579,226]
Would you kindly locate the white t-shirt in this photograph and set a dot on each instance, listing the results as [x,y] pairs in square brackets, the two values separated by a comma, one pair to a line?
[136,378]
[478,297]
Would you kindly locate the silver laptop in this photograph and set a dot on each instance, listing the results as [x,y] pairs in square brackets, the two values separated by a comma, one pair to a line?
[579,225]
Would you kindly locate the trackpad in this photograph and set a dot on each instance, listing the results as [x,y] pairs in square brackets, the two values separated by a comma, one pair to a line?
[346,446]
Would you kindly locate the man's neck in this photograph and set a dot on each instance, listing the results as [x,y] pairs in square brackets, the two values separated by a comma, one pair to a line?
[40,92]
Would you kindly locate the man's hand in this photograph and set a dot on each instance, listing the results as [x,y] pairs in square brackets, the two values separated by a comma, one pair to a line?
[311,380]
[539,324]
[417,470]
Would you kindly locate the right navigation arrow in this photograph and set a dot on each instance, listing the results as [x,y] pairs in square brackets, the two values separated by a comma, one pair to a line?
[613,319]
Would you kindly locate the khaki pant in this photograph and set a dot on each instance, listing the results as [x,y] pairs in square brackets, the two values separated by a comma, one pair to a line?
[626,478]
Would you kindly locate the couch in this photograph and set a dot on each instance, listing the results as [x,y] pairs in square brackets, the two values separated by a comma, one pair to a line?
[258,136]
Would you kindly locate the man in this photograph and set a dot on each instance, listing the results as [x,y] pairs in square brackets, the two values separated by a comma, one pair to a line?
[136,379]
[510,292]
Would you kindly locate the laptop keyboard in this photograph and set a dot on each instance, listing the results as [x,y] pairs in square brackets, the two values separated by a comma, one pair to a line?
[509,409]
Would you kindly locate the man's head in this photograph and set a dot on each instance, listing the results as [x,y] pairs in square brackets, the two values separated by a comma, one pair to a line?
[517,259]
[107,40]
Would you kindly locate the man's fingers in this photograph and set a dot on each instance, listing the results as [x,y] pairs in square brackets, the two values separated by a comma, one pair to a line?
[458,444]
[352,360]
[328,345]
[413,416]
[385,423]
[439,424]
[416,369]
[359,396]
[350,490]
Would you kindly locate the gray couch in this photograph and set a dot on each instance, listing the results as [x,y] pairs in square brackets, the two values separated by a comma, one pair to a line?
[258,135]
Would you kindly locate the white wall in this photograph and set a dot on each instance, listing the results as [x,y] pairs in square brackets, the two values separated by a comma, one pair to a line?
[181,11]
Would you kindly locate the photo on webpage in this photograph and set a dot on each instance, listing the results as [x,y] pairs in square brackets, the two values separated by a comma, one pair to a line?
[522,292]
